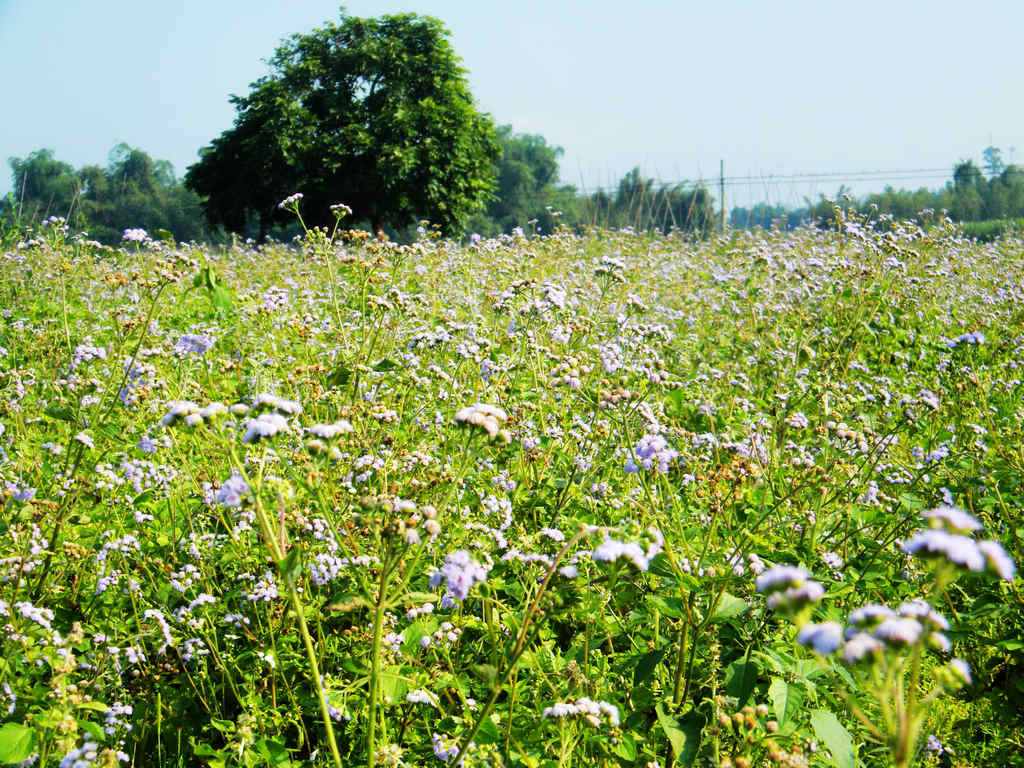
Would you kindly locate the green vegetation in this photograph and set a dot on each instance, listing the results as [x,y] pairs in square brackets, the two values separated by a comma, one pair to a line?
[989,205]
[133,190]
[601,499]
[374,113]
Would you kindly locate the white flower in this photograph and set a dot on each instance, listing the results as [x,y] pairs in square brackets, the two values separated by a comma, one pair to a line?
[781,577]
[421,696]
[487,417]
[860,645]
[997,559]
[264,425]
[327,431]
[954,519]
[899,631]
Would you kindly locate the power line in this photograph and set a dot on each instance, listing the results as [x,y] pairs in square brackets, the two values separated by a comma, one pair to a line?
[752,180]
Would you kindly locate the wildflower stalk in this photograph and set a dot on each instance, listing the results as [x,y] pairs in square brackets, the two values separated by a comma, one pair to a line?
[677,688]
[287,573]
[380,605]
[517,651]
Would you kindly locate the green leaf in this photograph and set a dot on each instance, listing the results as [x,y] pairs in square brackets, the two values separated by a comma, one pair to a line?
[224,726]
[786,699]
[291,566]
[393,686]
[220,298]
[274,753]
[672,607]
[683,735]
[626,748]
[646,665]
[17,743]
[339,376]
[835,737]
[740,679]
[729,606]
[95,706]
[385,365]
[59,411]
[488,673]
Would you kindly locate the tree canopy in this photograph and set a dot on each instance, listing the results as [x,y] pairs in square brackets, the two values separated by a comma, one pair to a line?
[373,113]
[133,190]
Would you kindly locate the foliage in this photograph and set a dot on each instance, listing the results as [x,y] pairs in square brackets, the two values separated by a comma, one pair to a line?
[375,113]
[133,191]
[530,501]
[526,195]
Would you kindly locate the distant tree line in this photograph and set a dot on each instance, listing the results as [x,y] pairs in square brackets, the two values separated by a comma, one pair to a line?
[134,190]
[992,193]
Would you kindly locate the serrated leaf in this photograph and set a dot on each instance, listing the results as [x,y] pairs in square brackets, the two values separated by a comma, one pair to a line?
[729,606]
[683,735]
[835,738]
[786,699]
[17,743]
[672,607]
[740,679]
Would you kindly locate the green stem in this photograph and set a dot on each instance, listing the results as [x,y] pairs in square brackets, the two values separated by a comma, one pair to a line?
[677,688]
[517,651]
[273,545]
[378,627]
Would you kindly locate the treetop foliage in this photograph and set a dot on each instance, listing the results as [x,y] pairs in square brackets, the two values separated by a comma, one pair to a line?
[373,113]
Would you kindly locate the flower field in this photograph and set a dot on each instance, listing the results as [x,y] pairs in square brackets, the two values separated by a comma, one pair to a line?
[599,500]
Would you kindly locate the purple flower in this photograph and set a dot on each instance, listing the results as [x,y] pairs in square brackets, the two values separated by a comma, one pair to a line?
[796,597]
[231,492]
[997,560]
[610,550]
[651,451]
[781,577]
[869,615]
[134,235]
[953,519]
[459,573]
[194,344]
[922,611]
[958,549]
[899,631]
[860,645]
[823,638]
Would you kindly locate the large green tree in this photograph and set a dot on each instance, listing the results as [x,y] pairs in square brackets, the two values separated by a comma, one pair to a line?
[373,113]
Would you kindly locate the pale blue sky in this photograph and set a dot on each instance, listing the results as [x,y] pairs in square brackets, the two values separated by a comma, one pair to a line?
[773,88]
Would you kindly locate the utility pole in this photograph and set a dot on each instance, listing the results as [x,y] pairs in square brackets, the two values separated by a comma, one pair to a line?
[721,187]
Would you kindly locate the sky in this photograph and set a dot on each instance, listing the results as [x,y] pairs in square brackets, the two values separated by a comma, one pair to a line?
[795,97]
